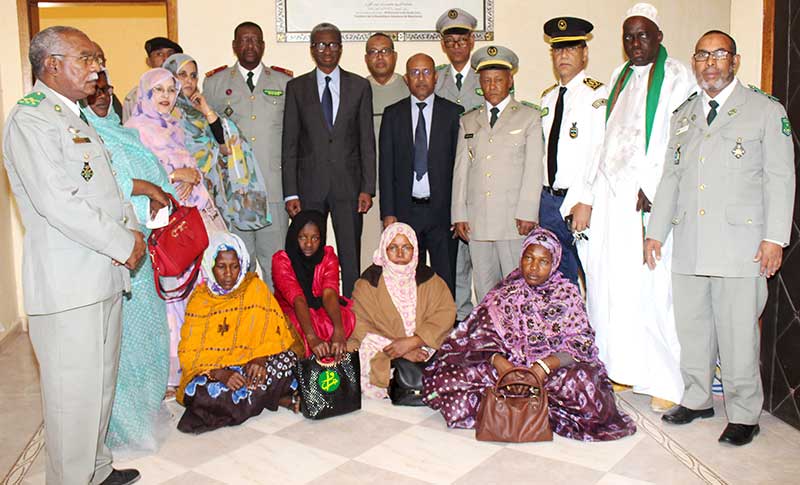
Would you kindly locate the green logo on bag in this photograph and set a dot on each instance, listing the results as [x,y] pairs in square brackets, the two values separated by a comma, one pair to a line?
[329,380]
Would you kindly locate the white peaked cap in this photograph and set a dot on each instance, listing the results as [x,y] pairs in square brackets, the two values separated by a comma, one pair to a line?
[643,10]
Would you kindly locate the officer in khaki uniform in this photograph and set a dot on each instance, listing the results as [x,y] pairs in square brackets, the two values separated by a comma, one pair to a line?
[458,82]
[498,171]
[258,112]
[727,195]
[78,234]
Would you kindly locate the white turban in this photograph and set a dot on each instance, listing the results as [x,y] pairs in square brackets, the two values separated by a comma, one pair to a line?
[643,10]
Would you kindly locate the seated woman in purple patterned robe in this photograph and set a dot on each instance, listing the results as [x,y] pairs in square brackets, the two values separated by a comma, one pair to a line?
[533,318]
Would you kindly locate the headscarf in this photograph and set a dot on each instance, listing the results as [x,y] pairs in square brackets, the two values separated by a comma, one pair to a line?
[539,320]
[400,280]
[238,188]
[224,241]
[304,266]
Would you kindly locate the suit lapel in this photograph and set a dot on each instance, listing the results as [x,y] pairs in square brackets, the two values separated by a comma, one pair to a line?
[507,113]
[344,85]
[313,96]
[732,107]
[437,126]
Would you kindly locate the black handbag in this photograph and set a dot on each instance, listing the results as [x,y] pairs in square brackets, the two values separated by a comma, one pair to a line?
[405,387]
[329,389]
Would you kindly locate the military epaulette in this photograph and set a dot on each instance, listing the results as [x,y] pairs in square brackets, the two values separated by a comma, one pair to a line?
[531,105]
[472,109]
[592,83]
[758,90]
[214,71]
[544,93]
[283,70]
[32,99]
[691,97]
[442,67]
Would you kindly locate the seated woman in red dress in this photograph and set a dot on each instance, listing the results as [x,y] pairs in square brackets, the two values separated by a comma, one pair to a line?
[306,280]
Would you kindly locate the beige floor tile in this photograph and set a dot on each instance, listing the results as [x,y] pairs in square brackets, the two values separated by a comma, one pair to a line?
[37,479]
[269,422]
[191,450]
[408,414]
[648,461]
[192,478]
[19,420]
[354,472]
[271,459]
[154,469]
[348,435]
[614,479]
[437,422]
[428,455]
[600,456]
[508,466]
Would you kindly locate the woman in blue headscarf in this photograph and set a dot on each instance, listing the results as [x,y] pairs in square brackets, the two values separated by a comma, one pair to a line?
[138,418]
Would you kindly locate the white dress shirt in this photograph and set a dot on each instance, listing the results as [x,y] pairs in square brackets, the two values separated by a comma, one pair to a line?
[501,106]
[334,86]
[421,188]
[256,72]
[72,105]
[464,71]
[719,98]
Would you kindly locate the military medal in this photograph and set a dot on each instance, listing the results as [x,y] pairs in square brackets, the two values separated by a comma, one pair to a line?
[738,150]
[732,112]
[228,111]
[57,108]
[87,172]
[573,131]
[76,137]
[676,157]
[228,92]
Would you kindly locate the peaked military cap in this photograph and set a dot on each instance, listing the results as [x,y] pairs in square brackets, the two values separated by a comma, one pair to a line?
[456,21]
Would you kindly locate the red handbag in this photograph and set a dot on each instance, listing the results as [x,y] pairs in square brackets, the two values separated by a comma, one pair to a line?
[177,247]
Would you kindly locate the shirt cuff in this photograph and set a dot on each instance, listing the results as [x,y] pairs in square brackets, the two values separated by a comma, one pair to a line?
[290,197]
[783,245]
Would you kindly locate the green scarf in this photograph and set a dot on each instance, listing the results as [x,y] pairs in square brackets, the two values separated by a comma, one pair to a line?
[653,91]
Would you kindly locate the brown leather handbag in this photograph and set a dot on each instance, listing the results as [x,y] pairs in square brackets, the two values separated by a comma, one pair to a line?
[514,418]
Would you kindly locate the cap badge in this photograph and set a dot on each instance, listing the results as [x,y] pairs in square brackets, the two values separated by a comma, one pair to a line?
[452,14]
[492,51]
[562,25]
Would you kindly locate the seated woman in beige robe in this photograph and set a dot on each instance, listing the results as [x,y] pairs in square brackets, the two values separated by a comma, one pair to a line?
[402,310]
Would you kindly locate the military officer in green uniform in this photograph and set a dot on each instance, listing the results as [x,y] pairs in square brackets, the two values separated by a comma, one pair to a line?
[80,243]
[458,82]
[252,96]
[727,196]
[497,179]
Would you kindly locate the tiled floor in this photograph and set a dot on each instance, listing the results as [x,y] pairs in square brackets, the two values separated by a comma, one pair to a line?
[387,444]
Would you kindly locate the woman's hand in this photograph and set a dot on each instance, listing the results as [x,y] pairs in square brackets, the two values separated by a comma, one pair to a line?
[500,363]
[256,372]
[338,345]
[225,151]
[199,102]
[232,379]
[319,347]
[402,346]
[184,190]
[158,200]
[186,174]
[416,355]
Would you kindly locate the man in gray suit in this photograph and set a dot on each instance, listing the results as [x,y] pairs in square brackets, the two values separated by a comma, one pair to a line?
[727,195]
[79,247]
[329,147]
[458,82]
[252,95]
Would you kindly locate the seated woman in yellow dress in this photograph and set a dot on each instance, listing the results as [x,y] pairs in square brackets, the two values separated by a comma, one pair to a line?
[402,309]
[237,350]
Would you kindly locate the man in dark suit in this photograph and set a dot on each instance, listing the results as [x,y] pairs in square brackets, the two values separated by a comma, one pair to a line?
[329,147]
[418,140]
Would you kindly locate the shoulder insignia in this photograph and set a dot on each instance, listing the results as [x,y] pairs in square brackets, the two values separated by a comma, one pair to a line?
[691,97]
[283,70]
[472,109]
[479,91]
[32,99]
[786,127]
[599,102]
[544,93]
[442,67]
[214,71]
[759,91]
[592,83]
[531,105]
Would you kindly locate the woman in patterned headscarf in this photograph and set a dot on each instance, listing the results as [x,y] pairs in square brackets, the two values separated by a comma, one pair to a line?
[237,351]
[533,318]
[402,309]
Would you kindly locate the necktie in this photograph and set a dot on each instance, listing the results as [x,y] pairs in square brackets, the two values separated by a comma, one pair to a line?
[713,113]
[250,81]
[83,117]
[552,139]
[459,77]
[495,111]
[327,103]
[420,145]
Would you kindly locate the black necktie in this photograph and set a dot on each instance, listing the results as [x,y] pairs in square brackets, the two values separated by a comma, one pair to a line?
[83,116]
[250,81]
[420,145]
[327,103]
[713,113]
[552,139]
[495,111]
[459,77]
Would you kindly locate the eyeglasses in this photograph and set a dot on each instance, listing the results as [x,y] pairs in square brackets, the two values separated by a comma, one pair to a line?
[462,42]
[384,52]
[420,73]
[556,51]
[86,59]
[405,248]
[718,55]
[108,91]
[321,46]
[170,90]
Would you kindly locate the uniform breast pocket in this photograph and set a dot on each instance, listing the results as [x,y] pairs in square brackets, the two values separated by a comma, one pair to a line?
[740,148]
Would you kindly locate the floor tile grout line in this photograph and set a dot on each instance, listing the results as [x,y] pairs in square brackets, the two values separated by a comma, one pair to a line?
[693,463]
[25,460]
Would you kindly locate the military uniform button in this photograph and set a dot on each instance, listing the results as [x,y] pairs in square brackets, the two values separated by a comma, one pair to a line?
[749,221]
[702,212]
[253,117]
[252,98]
[488,157]
[488,174]
[708,136]
[86,156]
[675,220]
[124,219]
[702,159]
[491,140]
[458,100]
[114,173]
[488,194]
[702,186]
[274,102]
[252,138]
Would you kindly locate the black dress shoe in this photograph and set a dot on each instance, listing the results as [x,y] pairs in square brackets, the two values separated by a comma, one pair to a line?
[122,477]
[739,434]
[683,415]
